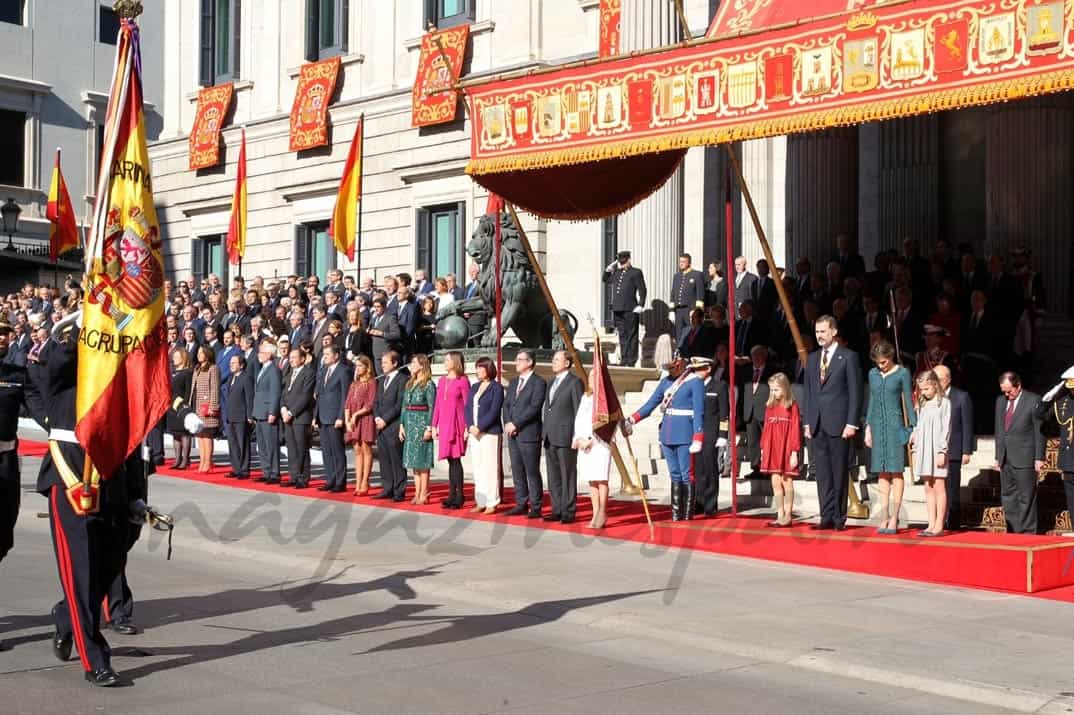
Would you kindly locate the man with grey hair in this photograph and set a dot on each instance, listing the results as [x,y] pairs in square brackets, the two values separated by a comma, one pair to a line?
[959,445]
[266,412]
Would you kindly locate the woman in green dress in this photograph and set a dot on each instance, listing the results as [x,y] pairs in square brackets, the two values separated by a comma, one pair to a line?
[888,423]
[415,427]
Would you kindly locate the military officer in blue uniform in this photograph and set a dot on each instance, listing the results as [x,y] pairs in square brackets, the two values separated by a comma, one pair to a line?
[681,399]
[1057,406]
[687,293]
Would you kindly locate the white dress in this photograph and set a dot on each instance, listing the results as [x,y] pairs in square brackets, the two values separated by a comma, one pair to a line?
[594,465]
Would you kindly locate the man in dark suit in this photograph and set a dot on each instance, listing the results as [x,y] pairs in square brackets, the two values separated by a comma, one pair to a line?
[959,445]
[766,293]
[557,421]
[240,407]
[422,285]
[266,413]
[407,318]
[387,408]
[628,294]
[700,340]
[1019,453]
[745,283]
[296,410]
[319,329]
[754,392]
[19,346]
[717,422]
[331,393]
[850,261]
[522,407]
[750,331]
[300,332]
[687,293]
[472,286]
[833,390]
[383,332]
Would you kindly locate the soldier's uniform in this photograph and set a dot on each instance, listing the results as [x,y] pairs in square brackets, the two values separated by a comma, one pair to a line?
[15,393]
[119,601]
[90,547]
[707,463]
[1058,406]
[681,401]
[628,294]
[687,293]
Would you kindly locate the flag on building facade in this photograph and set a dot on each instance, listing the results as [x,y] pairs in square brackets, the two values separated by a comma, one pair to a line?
[63,233]
[236,229]
[344,225]
[123,383]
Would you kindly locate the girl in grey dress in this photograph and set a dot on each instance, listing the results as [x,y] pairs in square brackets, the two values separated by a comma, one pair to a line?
[929,442]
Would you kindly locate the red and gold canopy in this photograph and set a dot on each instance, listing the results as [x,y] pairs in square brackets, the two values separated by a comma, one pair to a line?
[606,133]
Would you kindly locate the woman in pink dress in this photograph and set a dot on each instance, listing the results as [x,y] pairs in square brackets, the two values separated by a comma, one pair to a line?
[449,423]
[358,419]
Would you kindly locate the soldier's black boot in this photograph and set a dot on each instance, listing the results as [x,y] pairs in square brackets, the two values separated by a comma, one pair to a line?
[688,501]
[676,500]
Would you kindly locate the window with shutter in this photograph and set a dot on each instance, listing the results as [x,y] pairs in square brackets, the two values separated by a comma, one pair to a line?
[326,28]
[441,239]
[207,74]
[449,13]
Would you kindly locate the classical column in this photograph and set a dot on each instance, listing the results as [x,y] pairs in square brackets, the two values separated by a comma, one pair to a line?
[822,193]
[764,165]
[1028,166]
[653,230]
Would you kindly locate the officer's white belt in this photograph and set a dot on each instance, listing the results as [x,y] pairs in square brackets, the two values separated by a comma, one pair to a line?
[675,412]
[62,435]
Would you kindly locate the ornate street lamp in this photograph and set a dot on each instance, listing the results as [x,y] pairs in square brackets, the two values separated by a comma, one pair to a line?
[10,213]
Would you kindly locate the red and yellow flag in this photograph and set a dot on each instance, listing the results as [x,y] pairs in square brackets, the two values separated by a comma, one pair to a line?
[63,234]
[344,225]
[123,383]
[236,230]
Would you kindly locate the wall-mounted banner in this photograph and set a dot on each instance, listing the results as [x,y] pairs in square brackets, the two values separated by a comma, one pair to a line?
[439,68]
[886,61]
[611,13]
[309,113]
[213,104]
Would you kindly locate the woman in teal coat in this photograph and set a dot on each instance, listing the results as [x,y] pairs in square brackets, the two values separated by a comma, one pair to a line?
[888,424]
[415,426]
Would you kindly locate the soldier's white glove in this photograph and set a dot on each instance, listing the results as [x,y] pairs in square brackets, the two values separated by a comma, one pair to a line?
[639,310]
[611,266]
[721,443]
[139,511]
[695,445]
[627,426]
[671,315]
[1050,395]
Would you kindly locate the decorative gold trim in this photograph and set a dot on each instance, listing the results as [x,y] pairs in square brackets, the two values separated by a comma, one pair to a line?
[861,21]
[927,103]
[127,8]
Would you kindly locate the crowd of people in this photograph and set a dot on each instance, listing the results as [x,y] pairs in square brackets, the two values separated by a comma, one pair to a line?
[284,361]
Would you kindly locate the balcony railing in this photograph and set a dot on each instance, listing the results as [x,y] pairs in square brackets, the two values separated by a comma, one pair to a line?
[39,249]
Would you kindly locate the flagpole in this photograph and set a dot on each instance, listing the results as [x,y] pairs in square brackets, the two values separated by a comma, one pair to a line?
[732,420]
[499,317]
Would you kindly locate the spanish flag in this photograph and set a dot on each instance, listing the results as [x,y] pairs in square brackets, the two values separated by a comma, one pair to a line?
[123,382]
[63,234]
[344,225]
[236,230]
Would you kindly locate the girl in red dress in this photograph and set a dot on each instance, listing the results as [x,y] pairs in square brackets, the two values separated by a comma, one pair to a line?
[781,441]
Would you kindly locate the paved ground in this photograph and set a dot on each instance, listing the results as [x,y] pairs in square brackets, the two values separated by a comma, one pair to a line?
[283,604]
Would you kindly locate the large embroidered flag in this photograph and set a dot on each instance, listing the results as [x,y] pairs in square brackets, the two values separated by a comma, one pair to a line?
[236,230]
[607,412]
[344,225]
[63,233]
[123,383]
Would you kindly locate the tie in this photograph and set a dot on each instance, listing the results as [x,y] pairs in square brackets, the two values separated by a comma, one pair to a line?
[756,377]
[823,365]
[555,386]
[521,384]
[293,376]
[328,374]
[1008,416]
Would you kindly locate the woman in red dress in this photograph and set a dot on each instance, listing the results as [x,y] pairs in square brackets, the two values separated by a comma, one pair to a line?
[781,440]
[358,419]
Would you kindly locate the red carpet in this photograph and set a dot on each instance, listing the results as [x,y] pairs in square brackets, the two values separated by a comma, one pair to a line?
[1041,566]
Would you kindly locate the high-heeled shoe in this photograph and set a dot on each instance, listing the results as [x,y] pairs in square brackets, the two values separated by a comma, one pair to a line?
[477,508]
[489,510]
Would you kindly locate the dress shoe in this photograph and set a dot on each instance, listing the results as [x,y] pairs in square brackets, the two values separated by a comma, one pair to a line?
[553,517]
[383,495]
[125,628]
[4,646]
[567,520]
[103,678]
[61,646]
[262,479]
[398,500]
[840,527]
[299,485]
[323,488]
[534,515]
[822,526]
[517,511]
[339,490]
[242,476]
[272,481]
[158,461]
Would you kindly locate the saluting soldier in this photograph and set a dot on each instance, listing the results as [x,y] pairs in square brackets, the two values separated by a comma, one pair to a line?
[681,399]
[687,293]
[716,423]
[15,392]
[628,303]
[90,545]
[1058,406]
